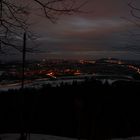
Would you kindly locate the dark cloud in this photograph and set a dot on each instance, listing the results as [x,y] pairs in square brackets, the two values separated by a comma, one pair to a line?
[100,32]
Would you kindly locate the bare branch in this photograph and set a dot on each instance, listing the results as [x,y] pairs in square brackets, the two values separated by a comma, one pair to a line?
[133,7]
[134,10]
[14,15]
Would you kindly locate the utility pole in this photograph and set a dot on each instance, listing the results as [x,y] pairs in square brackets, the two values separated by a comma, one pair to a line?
[23,135]
[23,60]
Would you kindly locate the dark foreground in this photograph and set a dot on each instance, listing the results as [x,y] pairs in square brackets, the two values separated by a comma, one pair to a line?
[89,110]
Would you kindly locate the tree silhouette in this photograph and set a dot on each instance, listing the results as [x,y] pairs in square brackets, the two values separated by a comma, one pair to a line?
[15,15]
[135,11]
[134,19]
[14,22]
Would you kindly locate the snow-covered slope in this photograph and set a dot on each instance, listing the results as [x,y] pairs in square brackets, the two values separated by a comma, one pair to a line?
[33,137]
[48,137]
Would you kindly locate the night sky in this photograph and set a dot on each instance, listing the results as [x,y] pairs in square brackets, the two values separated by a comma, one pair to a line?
[102,31]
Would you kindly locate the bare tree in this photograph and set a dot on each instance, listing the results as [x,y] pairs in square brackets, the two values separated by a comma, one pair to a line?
[14,16]
[134,18]
[14,23]
[135,10]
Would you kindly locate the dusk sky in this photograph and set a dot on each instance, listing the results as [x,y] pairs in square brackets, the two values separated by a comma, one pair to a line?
[102,31]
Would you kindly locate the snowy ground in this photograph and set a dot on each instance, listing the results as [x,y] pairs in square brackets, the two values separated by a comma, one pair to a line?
[66,80]
[33,137]
[131,138]
[48,137]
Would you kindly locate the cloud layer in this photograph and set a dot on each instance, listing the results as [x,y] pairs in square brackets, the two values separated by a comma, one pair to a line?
[101,32]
